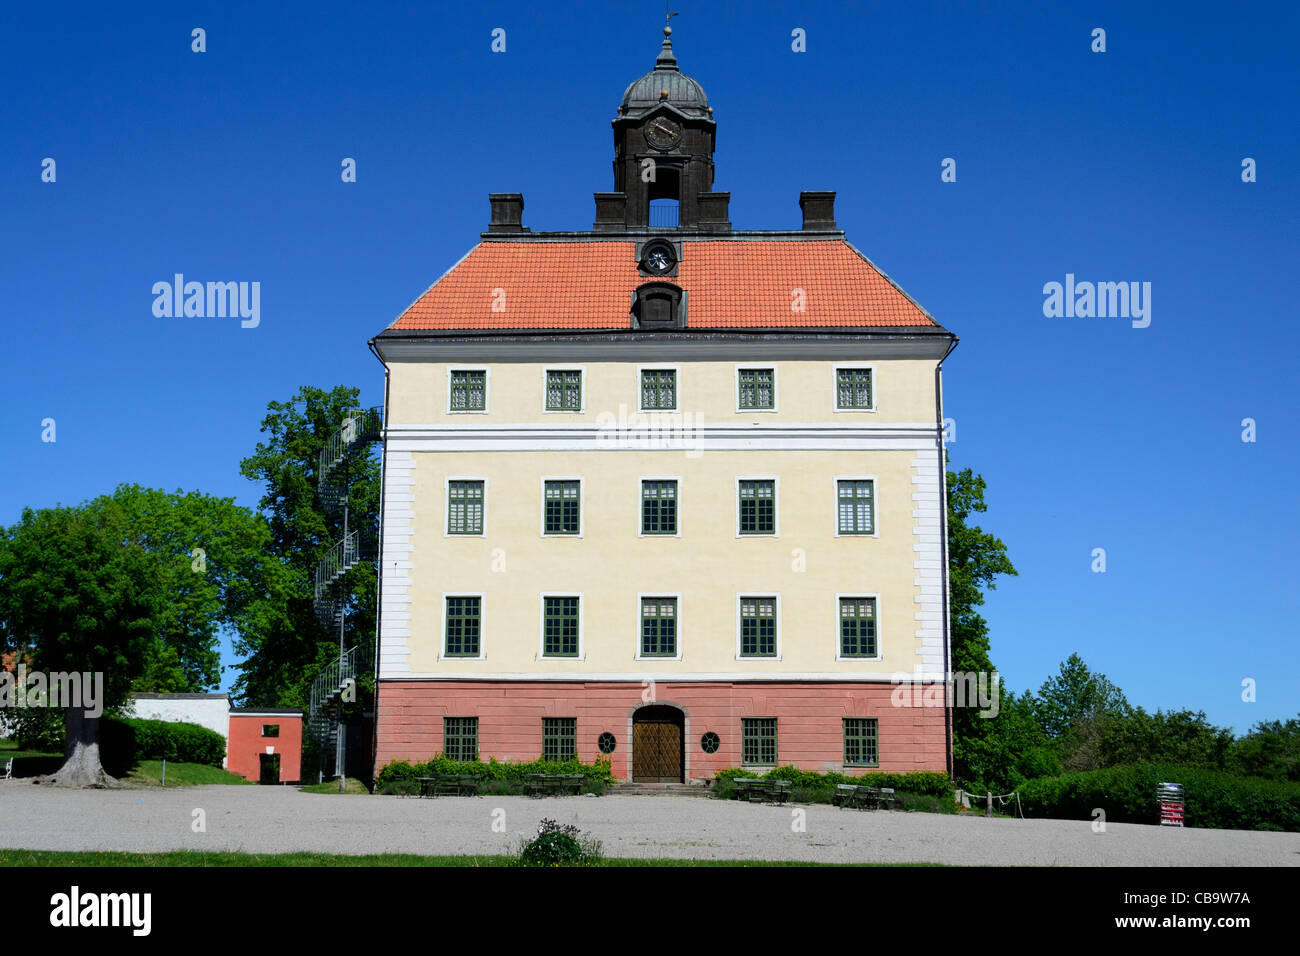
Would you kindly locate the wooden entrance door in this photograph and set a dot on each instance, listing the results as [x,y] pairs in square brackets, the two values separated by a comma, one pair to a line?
[657,755]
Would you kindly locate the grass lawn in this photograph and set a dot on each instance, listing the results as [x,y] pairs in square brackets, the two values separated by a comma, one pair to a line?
[149,773]
[9,748]
[195,859]
[332,786]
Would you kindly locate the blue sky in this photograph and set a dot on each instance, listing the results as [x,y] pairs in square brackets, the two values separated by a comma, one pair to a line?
[1115,166]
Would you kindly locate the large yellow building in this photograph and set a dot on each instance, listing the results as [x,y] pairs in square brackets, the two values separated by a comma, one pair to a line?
[664,492]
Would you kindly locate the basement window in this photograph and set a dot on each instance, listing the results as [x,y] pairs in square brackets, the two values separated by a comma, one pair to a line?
[559,738]
[758,741]
[861,742]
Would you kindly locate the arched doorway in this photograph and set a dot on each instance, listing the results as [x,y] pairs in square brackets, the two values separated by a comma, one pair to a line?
[658,734]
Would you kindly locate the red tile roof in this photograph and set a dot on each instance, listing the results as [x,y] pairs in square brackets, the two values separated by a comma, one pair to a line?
[733,283]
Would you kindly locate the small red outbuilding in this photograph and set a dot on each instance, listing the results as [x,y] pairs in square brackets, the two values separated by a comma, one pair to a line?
[265,745]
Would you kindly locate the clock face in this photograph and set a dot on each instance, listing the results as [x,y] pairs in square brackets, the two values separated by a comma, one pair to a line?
[663,133]
[659,260]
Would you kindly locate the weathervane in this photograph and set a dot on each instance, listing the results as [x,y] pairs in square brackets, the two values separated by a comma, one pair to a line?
[667,25]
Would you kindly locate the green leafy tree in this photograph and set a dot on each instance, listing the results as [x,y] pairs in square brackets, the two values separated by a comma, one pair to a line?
[163,673]
[215,571]
[1182,737]
[168,570]
[975,559]
[78,593]
[1010,749]
[1270,750]
[1076,695]
[281,661]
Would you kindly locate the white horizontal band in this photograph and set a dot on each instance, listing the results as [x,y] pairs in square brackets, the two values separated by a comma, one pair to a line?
[662,434]
[667,678]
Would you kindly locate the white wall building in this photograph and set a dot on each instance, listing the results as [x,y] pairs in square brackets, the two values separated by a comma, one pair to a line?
[207,710]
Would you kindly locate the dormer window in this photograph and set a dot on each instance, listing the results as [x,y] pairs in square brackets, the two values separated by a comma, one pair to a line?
[658,305]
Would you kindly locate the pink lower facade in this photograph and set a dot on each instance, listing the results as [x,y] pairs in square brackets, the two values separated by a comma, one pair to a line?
[809,715]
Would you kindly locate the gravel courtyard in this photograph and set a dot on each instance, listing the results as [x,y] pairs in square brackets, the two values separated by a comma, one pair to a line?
[280,820]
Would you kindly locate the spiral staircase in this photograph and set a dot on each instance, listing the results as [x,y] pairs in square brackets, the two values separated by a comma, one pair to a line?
[338,458]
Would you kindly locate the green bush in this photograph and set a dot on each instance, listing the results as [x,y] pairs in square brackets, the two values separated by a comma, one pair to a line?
[1128,795]
[38,728]
[124,743]
[557,845]
[923,803]
[820,787]
[552,848]
[495,776]
[507,788]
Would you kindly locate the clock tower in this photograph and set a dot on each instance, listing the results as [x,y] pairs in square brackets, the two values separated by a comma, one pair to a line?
[664,137]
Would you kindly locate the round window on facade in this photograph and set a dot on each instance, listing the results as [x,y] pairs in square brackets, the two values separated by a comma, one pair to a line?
[606,743]
[658,257]
[709,743]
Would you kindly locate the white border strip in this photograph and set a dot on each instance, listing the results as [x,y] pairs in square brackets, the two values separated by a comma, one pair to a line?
[395,577]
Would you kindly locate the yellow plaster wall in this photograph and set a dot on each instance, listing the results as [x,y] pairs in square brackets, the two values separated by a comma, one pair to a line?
[708,565]
[903,392]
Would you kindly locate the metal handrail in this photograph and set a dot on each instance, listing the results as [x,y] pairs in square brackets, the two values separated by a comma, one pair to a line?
[327,685]
[341,557]
[663,216]
[359,425]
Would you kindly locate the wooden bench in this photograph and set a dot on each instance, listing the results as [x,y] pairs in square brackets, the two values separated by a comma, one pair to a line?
[448,784]
[887,799]
[543,784]
[861,797]
[853,797]
[769,791]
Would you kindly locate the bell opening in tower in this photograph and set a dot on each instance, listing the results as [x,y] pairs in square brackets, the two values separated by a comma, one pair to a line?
[664,197]
[663,213]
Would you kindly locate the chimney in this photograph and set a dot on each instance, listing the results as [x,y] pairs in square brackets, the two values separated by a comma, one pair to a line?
[507,212]
[713,212]
[818,210]
[611,212]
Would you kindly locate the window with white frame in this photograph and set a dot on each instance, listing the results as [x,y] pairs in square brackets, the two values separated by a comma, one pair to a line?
[857,506]
[468,390]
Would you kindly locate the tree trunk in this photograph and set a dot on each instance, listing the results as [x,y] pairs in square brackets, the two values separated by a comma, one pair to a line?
[81,766]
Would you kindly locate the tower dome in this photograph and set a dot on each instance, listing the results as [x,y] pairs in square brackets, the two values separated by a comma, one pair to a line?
[664,138]
[665,84]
